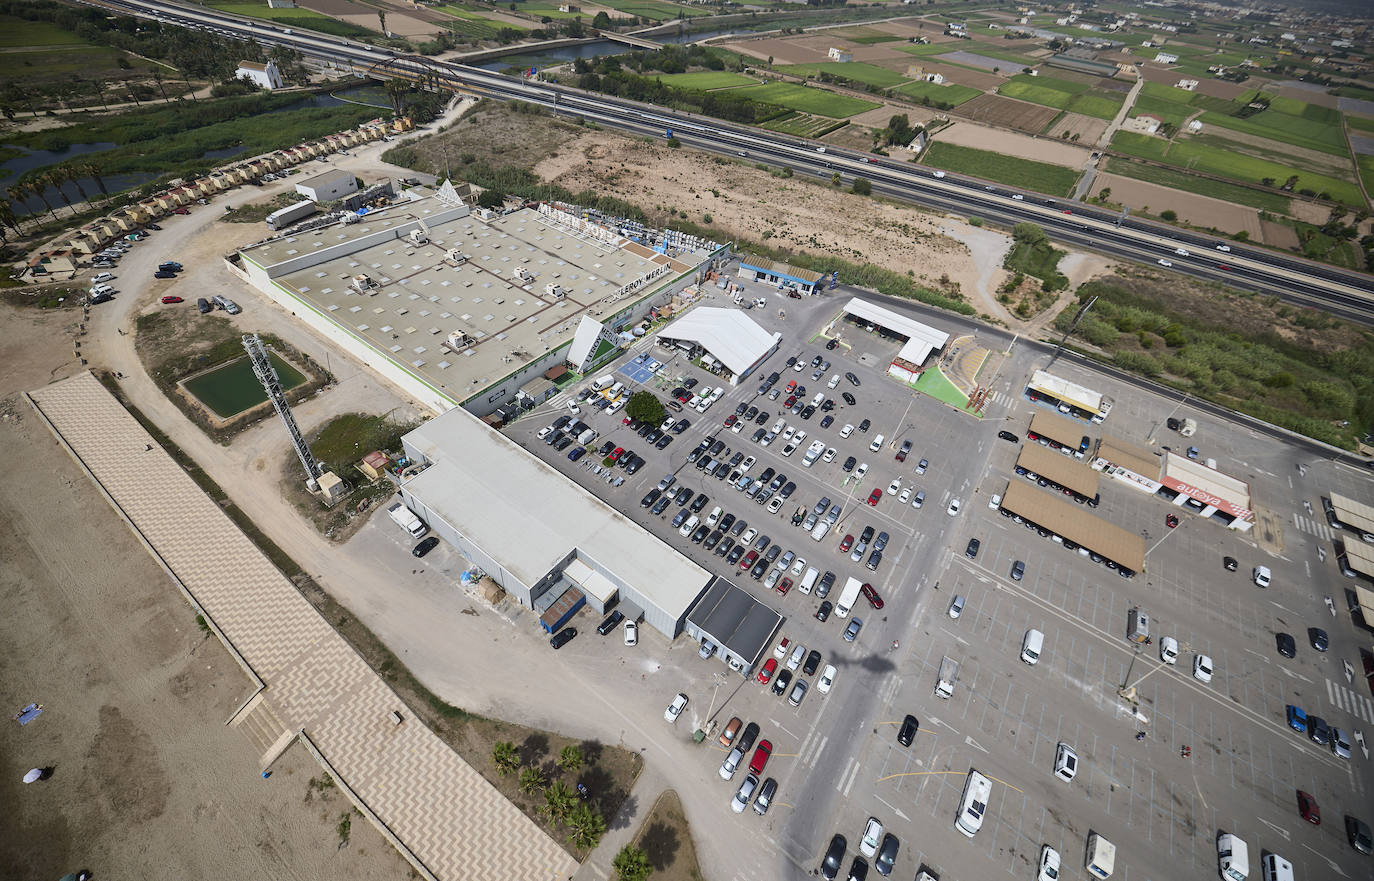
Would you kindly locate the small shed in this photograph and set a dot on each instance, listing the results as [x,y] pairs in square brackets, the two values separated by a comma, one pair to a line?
[374,464]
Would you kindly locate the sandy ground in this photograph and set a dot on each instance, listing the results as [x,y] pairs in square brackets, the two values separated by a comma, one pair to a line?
[1192,208]
[148,781]
[969,134]
[738,197]
[1088,128]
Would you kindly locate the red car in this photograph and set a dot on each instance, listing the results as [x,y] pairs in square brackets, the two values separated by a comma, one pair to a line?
[784,586]
[761,754]
[749,560]
[791,399]
[791,385]
[731,420]
[170,299]
[846,544]
[1307,807]
[769,668]
[626,420]
[180,211]
[1171,521]
[874,496]
[616,453]
[872,596]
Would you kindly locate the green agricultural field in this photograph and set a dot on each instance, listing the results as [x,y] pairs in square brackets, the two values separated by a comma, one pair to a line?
[1314,112]
[1050,82]
[16,33]
[1163,92]
[858,71]
[549,9]
[874,38]
[655,9]
[1102,105]
[297,17]
[1169,111]
[808,100]
[1056,180]
[951,93]
[1360,123]
[1366,164]
[1144,146]
[923,50]
[1353,92]
[1191,183]
[1295,130]
[803,125]
[262,10]
[476,22]
[706,80]
[1050,92]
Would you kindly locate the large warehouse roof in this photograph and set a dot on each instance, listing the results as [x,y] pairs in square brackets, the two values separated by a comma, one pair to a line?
[728,334]
[1076,524]
[1353,513]
[739,622]
[1063,470]
[921,338]
[1057,428]
[1207,485]
[528,516]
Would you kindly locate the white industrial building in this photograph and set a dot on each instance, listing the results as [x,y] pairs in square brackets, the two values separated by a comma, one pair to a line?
[727,341]
[264,76]
[920,339]
[535,532]
[329,186]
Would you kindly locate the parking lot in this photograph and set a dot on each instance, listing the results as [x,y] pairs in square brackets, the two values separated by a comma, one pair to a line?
[836,758]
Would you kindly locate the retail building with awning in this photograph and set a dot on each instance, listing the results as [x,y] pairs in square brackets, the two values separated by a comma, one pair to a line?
[919,340]
[1135,466]
[1207,492]
[1076,524]
[725,339]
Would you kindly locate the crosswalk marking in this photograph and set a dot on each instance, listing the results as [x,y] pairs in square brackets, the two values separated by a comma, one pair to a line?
[1350,701]
[1312,527]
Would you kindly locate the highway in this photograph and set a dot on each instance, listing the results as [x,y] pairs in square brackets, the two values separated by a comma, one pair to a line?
[1343,293]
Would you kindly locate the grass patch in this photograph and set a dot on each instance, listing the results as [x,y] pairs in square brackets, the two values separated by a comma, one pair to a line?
[256,212]
[655,9]
[858,71]
[47,297]
[1366,166]
[1299,131]
[1144,146]
[1056,180]
[1032,253]
[1360,123]
[802,124]
[950,93]
[1298,368]
[1181,180]
[16,33]
[1347,91]
[807,99]
[1098,104]
[874,38]
[1046,90]
[1172,112]
[297,17]
[707,79]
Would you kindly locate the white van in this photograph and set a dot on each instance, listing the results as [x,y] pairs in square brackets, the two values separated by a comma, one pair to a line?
[974,804]
[103,276]
[714,517]
[602,383]
[809,580]
[614,392]
[1101,856]
[102,289]
[687,527]
[821,529]
[1275,868]
[877,444]
[1233,857]
[1031,646]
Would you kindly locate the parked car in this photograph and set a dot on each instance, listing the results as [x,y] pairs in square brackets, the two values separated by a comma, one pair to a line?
[675,708]
[907,732]
[563,637]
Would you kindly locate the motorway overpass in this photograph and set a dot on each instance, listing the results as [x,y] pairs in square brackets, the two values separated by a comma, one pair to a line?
[1341,292]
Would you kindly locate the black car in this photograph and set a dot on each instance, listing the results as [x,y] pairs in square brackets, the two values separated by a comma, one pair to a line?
[1008,436]
[563,444]
[787,489]
[726,522]
[726,545]
[662,504]
[1288,647]
[700,533]
[907,732]
[834,855]
[849,464]
[848,398]
[1357,832]
[563,637]
[858,869]
[827,421]
[664,441]
[1318,638]
[792,360]
[713,539]
[762,417]
[1018,570]
[164,273]
[690,383]
[562,421]
[735,553]
[680,426]
[828,404]
[865,425]
[880,543]
[425,546]
[813,661]
[747,737]
[1318,731]
[972,550]
[853,380]
[807,412]
[610,623]
[887,855]
[698,503]
[831,344]
[781,681]
[1229,563]
[741,409]
[684,495]
[759,568]
[823,612]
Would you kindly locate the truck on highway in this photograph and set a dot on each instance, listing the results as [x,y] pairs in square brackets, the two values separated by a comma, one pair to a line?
[848,597]
[284,217]
[406,519]
[945,679]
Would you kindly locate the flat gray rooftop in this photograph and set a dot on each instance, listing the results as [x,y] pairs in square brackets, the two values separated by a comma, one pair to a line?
[739,622]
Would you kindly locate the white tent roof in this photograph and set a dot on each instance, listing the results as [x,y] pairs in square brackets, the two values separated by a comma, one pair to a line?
[584,341]
[728,334]
[922,339]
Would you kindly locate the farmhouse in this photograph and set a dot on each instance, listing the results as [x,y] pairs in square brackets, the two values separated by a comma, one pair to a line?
[1186,85]
[1166,58]
[1145,124]
[840,54]
[264,76]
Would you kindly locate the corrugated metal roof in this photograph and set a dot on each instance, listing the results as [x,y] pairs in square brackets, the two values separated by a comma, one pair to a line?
[1057,428]
[1063,470]
[1129,456]
[1224,486]
[778,268]
[1075,523]
[1356,514]
[1360,556]
[922,339]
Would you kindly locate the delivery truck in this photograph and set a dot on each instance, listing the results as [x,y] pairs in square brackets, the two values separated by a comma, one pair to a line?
[945,679]
[406,519]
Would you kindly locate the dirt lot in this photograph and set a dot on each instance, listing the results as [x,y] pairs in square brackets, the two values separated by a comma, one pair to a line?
[997,110]
[971,134]
[1089,129]
[147,781]
[666,839]
[1194,209]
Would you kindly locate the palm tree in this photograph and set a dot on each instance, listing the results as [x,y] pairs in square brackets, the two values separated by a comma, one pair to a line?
[157,78]
[37,187]
[94,171]
[395,90]
[570,758]
[505,757]
[73,174]
[381,17]
[532,780]
[558,801]
[57,176]
[7,215]
[587,826]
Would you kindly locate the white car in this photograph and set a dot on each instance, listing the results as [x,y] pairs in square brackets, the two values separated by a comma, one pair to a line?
[799,437]
[953,507]
[745,792]
[749,535]
[995,502]
[631,633]
[1262,576]
[772,580]
[905,496]
[956,606]
[1202,668]
[829,455]
[1163,262]
[747,463]
[834,381]
[827,680]
[780,651]
[1049,864]
[861,471]
[798,567]
[675,708]
[847,430]
[873,834]
[775,504]
[1168,650]
[895,486]
[545,432]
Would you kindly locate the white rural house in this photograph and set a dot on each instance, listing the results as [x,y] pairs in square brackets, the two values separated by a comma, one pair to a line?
[264,76]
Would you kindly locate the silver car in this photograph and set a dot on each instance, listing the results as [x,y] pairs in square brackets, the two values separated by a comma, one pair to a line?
[731,763]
